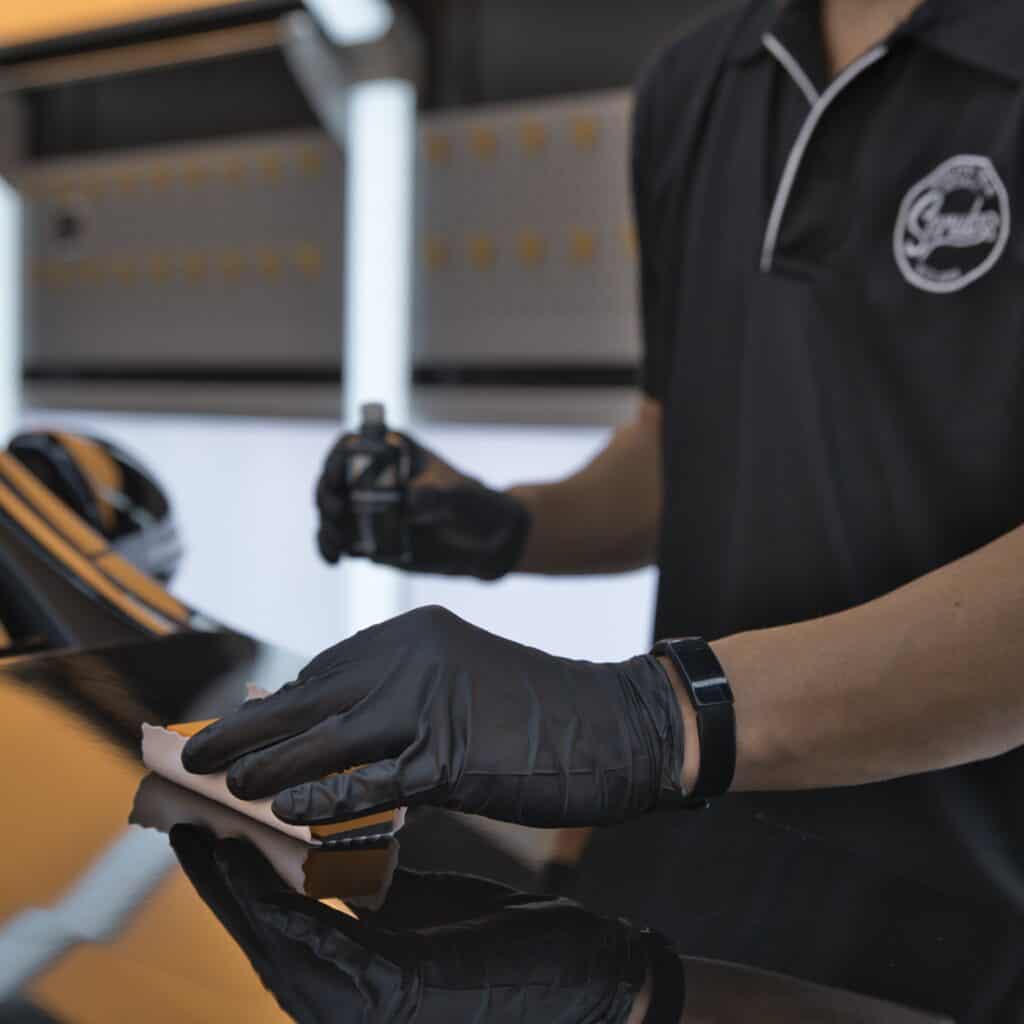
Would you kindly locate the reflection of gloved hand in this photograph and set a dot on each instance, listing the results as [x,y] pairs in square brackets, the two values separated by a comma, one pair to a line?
[457,526]
[444,950]
[440,712]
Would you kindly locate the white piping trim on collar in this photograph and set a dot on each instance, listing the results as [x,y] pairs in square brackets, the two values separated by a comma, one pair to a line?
[796,154]
[792,65]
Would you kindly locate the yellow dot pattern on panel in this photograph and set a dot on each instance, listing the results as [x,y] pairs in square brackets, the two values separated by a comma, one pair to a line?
[268,168]
[531,249]
[191,266]
[533,136]
[269,262]
[586,132]
[580,245]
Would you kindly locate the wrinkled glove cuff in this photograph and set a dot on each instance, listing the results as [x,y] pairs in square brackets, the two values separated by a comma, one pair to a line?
[509,551]
[664,732]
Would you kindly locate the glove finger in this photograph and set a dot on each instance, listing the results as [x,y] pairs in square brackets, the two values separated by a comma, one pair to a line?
[374,788]
[336,527]
[327,545]
[368,731]
[292,710]
[363,956]
[333,541]
[333,506]
[255,886]
[333,473]
[419,457]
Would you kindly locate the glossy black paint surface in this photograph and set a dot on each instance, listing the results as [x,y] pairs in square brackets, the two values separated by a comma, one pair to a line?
[97,921]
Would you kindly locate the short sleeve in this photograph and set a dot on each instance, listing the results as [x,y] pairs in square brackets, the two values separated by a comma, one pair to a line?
[671,99]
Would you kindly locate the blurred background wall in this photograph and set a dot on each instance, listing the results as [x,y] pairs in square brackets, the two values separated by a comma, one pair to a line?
[182,276]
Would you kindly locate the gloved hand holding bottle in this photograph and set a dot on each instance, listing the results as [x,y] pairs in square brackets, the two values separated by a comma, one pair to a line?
[382,496]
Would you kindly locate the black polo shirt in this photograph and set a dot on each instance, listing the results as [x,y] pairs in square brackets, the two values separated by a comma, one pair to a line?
[833,299]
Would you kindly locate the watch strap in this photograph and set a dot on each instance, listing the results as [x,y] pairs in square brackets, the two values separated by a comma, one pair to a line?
[709,692]
[716,727]
[668,983]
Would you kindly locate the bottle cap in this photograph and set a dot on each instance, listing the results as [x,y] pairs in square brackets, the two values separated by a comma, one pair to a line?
[373,418]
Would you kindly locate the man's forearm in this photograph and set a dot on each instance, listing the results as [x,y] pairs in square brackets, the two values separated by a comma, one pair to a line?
[926,677]
[606,517]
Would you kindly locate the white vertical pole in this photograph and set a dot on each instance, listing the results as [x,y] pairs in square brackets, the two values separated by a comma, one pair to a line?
[10,310]
[380,155]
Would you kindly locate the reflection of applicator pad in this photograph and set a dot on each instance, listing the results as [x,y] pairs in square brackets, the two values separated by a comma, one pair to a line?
[358,873]
[161,752]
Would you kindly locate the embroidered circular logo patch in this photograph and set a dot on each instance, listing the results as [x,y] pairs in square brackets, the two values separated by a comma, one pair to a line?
[953,225]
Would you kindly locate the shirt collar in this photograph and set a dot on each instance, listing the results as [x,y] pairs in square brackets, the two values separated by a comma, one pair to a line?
[984,33]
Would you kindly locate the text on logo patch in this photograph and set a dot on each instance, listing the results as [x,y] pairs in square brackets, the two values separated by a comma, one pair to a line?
[953,225]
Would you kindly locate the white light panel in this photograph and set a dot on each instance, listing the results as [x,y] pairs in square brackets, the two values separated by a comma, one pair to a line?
[380,150]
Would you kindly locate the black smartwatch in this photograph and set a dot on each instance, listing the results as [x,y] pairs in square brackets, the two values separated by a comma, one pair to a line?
[709,690]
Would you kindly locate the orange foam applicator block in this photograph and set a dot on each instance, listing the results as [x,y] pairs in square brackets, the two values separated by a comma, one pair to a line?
[161,753]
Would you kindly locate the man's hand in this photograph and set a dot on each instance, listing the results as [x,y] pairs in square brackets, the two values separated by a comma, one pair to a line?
[443,949]
[458,526]
[437,711]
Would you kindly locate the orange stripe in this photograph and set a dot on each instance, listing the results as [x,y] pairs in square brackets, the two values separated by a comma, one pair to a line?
[325,831]
[60,549]
[100,471]
[90,542]
[189,728]
[83,536]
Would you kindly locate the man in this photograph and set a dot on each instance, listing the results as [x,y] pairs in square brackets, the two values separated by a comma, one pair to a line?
[826,463]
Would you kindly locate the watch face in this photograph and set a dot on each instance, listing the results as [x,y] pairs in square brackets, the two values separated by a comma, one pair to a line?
[700,662]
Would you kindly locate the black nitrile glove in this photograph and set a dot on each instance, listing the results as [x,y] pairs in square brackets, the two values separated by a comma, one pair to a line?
[440,712]
[482,953]
[457,526]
